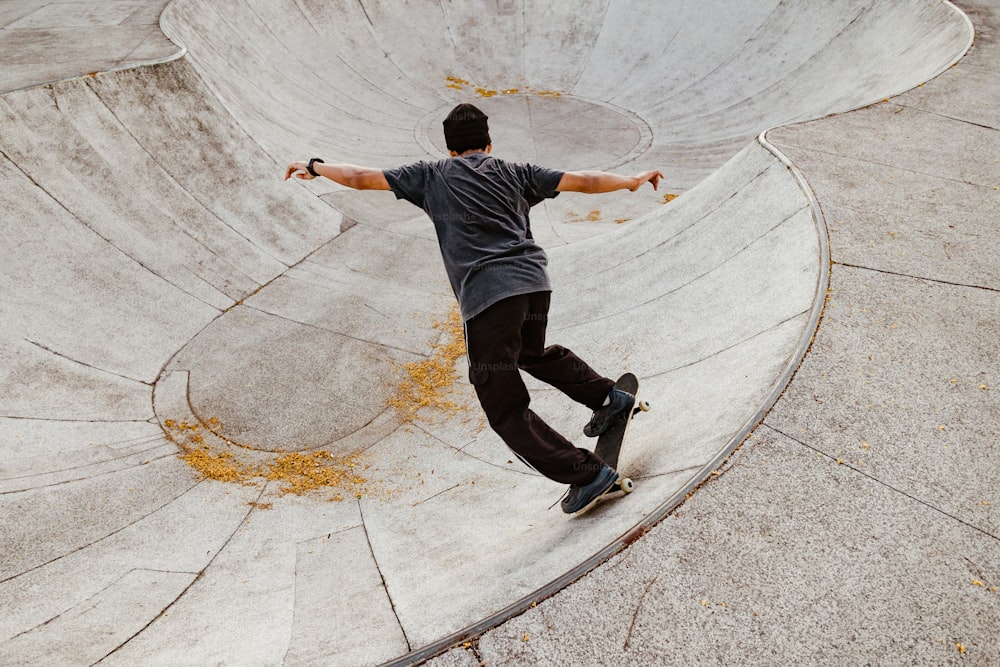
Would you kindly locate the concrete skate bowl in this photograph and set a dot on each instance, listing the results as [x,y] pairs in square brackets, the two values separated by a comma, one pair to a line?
[165,291]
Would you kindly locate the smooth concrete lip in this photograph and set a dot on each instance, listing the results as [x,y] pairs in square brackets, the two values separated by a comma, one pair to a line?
[127,64]
[764,174]
[121,68]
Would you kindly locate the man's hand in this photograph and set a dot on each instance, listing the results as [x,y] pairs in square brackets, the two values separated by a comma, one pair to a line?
[647,177]
[299,170]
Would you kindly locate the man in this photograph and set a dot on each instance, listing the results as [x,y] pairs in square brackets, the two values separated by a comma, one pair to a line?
[479,206]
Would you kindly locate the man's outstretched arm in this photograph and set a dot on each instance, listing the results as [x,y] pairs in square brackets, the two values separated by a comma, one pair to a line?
[593,182]
[353,176]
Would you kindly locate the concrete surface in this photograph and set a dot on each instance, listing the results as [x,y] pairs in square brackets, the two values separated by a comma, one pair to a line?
[49,40]
[156,268]
[858,524]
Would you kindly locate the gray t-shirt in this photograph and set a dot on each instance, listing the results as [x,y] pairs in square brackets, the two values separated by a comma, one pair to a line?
[479,205]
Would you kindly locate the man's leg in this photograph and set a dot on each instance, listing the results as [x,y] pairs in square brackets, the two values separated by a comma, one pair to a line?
[494,339]
[555,365]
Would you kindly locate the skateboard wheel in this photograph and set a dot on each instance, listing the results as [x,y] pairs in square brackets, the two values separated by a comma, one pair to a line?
[626,485]
[644,406]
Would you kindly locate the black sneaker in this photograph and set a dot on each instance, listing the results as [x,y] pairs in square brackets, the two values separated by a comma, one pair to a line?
[580,498]
[604,418]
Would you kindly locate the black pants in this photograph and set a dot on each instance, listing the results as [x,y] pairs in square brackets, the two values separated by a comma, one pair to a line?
[506,337]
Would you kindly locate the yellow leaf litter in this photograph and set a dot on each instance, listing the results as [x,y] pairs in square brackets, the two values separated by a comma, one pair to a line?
[593,216]
[458,83]
[426,384]
[298,473]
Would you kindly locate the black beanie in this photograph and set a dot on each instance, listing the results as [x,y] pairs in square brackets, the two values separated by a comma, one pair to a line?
[466,128]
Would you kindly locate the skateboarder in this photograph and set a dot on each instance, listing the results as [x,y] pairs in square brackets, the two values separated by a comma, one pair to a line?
[479,205]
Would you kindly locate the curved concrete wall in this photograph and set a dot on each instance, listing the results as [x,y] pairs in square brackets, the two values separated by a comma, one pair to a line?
[155,267]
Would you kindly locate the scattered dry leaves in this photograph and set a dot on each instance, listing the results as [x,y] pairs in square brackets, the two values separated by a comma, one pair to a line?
[457,83]
[428,383]
[298,472]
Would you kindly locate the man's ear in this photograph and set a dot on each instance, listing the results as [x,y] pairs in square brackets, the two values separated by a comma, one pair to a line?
[453,153]
[489,148]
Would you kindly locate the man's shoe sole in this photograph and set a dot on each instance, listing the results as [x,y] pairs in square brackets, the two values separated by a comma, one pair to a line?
[596,498]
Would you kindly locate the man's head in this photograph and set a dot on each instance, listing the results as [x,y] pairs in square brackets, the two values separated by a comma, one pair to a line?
[466,129]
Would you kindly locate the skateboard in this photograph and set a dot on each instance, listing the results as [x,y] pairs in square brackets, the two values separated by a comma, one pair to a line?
[609,444]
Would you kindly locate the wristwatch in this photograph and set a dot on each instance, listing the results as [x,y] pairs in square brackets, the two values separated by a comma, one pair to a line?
[311,163]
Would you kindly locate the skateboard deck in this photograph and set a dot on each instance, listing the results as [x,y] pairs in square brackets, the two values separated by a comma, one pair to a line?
[609,444]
